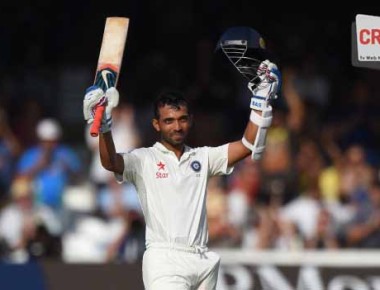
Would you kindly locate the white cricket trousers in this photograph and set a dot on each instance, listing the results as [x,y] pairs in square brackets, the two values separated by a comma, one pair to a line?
[174,267]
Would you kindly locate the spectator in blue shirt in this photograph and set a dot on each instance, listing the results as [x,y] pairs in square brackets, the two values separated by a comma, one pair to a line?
[50,164]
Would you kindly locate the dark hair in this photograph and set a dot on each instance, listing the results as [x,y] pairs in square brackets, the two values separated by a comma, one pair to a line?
[171,98]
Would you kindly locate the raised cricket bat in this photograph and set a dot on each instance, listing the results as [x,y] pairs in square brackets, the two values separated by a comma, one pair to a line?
[109,62]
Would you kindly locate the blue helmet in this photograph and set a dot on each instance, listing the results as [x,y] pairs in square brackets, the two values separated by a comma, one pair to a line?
[245,48]
[241,35]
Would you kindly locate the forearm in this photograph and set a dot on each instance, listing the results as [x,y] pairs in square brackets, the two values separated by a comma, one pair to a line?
[109,158]
[251,130]
[42,163]
[32,171]
[254,138]
[236,150]
[358,233]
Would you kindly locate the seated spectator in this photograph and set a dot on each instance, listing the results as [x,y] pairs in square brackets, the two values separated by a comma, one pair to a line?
[116,235]
[50,164]
[119,203]
[324,236]
[27,229]
[115,197]
[221,231]
[357,175]
[303,212]
[242,195]
[364,230]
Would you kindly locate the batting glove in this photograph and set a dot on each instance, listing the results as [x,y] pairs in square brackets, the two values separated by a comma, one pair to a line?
[96,97]
[267,88]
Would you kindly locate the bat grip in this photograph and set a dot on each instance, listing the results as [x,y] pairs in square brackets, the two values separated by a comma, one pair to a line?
[94,131]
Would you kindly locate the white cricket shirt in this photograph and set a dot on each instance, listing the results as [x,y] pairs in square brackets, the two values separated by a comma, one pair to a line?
[172,192]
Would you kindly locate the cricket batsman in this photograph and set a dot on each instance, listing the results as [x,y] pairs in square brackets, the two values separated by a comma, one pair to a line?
[171,177]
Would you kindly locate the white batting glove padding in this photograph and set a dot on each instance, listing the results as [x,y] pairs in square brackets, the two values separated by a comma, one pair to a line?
[112,97]
[94,97]
[267,89]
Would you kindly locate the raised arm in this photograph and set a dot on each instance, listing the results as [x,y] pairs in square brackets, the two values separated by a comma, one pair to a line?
[94,97]
[236,150]
[110,159]
[254,138]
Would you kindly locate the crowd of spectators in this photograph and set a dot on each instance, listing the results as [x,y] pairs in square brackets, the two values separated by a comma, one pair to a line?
[316,187]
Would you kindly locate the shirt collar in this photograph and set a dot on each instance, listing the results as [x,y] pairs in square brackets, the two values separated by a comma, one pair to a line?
[188,150]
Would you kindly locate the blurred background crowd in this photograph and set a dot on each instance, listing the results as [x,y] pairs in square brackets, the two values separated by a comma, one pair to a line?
[316,187]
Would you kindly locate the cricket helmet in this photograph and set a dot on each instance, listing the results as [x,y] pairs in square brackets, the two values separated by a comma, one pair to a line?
[245,48]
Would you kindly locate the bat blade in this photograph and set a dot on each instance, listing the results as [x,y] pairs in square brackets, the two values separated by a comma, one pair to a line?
[109,62]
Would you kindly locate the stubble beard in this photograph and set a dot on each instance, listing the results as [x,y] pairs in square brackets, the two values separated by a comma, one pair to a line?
[173,141]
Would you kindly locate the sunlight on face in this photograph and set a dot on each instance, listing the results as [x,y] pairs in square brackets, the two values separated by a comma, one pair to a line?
[173,124]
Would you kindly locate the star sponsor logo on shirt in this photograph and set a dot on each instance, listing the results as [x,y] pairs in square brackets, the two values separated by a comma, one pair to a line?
[159,173]
[161,166]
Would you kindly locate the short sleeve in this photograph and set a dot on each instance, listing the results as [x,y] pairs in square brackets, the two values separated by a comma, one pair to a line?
[218,160]
[132,167]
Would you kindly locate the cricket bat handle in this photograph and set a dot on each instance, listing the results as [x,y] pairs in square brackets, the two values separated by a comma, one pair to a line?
[95,127]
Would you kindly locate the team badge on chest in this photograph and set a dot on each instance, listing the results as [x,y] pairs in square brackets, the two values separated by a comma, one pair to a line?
[196,166]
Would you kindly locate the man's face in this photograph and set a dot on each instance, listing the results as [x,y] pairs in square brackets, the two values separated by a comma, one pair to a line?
[173,124]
